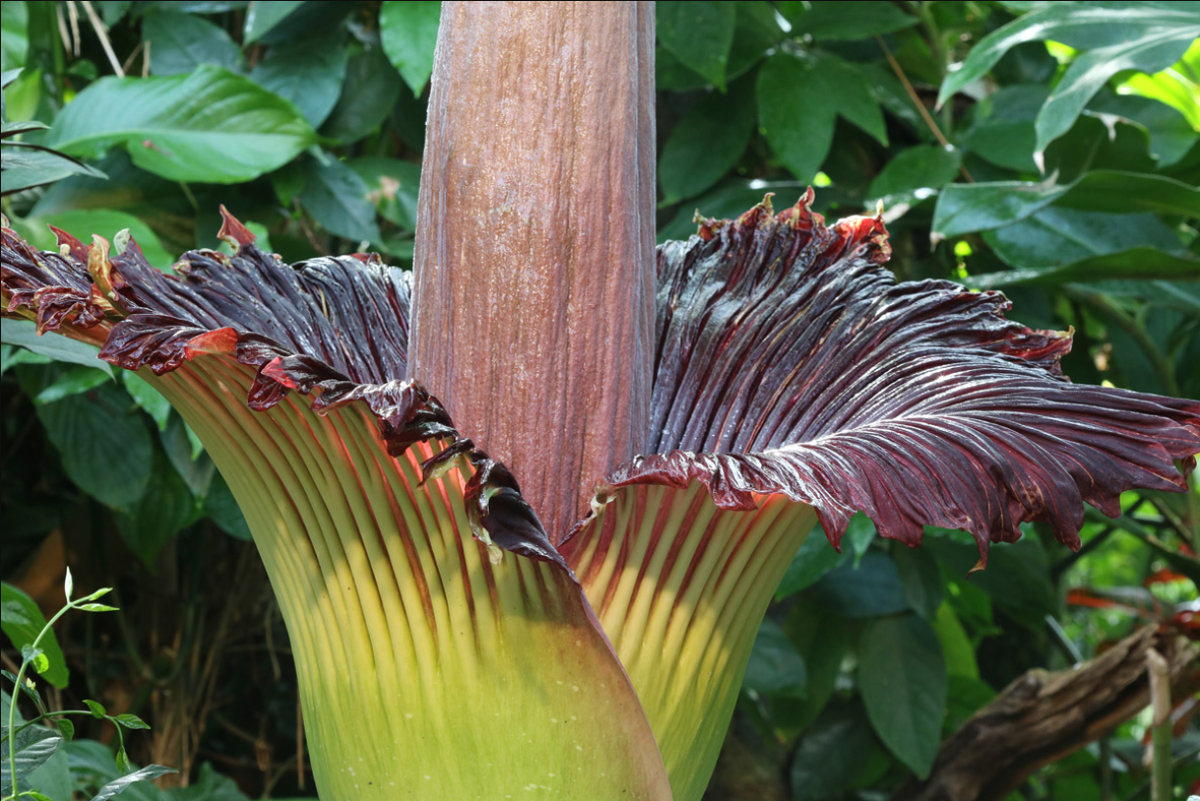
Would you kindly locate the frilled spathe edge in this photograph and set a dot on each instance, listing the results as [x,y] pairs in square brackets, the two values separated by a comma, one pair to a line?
[789,361]
[352,311]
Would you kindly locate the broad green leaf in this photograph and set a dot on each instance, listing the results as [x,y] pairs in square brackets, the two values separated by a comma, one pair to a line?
[179,43]
[705,144]
[850,19]
[103,442]
[921,167]
[838,753]
[262,16]
[309,74]
[960,654]
[966,208]
[1150,52]
[757,31]
[775,666]
[700,34]
[336,197]
[822,639]
[97,709]
[121,784]
[1054,237]
[966,696]
[53,779]
[148,398]
[191,464]
[1139,264]
[1017,577]
[1083,26]
[408,31]
[221,506]
[920,579]
[369,93]
[392,187]
[34,746]
[83,223]
[166,507]
[815,558]
[73,381]
[902,677]
[871,588]
[209,126]
[27,167]
[1003,132]
[14,35]
[22,622]
[1171,136]
[1177,86]
[154,201]
[58,348]
[799,97]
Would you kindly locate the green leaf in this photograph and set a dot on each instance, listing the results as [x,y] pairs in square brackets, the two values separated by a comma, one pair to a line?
[120,785]
[967,208]
[902,677]
[149,399]
[309,74]
[22,623]
[727,201]
[102,439]
[1055,237]
[1149,52]
[920,579]
[98,710]
[850,19]
[705,144]
[815,558]
[392,186]
[775,666]
[131,721]
[165,507]
[922,167]
[14,35]
[408,31]
[1003,132]
[209,126]
[262,16]
[35,657]
[1017,577]
[72,382]
[822,639]
[34,746]
[28,687]
[836,755]
[700,34]
[220,505]
[58,348]
[187,456]
[336,197]
[1171,135]
[96,608]
[960,654]
[1137,264]
[179,43]
[369,92]
[799,98]
[1082,26]
[1178,86]
[66,728]
[871,588]
[25,167]
[83,223]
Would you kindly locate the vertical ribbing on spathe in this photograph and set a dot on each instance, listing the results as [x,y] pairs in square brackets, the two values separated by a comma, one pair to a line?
[423,668]
[681,587]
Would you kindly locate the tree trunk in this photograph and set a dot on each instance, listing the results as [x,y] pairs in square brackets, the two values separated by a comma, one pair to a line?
[533,309]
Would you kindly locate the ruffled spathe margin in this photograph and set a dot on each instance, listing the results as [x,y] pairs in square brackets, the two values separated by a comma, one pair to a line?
[789,361]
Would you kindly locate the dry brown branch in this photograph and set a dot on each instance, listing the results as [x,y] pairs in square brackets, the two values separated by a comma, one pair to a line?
[1042,717]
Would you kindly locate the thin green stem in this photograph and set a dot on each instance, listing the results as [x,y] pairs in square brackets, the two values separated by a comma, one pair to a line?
[12,708]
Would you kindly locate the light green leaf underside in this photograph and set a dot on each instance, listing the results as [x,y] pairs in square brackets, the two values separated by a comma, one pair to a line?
[424,671]
[680,588]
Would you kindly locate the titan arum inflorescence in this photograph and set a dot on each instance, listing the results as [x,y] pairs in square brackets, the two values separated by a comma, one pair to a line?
[684,421]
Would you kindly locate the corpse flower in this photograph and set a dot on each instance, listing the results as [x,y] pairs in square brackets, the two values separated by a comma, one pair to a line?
[462,634]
